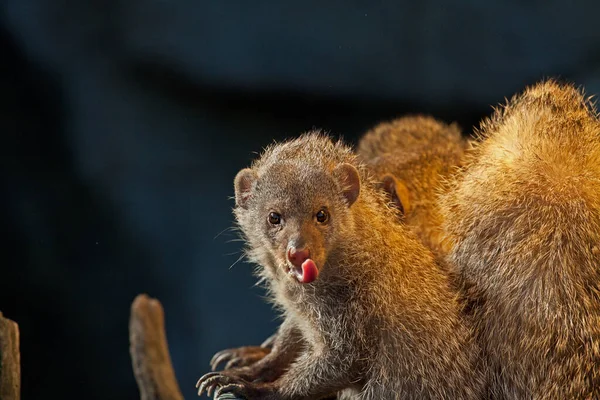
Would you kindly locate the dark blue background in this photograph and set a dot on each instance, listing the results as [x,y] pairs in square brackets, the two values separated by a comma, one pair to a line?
[124,122]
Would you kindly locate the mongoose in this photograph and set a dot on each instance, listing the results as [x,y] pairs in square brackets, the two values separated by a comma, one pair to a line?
[366,309]
[411,157]
[523,219]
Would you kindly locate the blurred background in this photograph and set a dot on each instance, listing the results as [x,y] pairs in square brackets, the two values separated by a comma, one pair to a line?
[123,123]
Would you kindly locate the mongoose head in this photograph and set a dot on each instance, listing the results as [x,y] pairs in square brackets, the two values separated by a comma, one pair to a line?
[292,212]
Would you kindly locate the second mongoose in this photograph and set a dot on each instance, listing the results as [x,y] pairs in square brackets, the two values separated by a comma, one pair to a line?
[412,157]
[523,219]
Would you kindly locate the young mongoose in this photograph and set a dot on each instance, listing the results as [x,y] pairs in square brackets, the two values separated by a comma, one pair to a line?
[524,222]
[367,311]
[411,157]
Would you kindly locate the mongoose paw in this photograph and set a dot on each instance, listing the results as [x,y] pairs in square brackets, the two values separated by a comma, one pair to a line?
[219,383]
[209,381]
[238,357]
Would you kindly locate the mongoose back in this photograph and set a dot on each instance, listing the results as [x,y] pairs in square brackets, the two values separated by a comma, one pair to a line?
[367,311]
[412,157]
[523,218]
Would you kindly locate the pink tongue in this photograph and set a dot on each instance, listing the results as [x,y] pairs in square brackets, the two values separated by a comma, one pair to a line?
[309,271]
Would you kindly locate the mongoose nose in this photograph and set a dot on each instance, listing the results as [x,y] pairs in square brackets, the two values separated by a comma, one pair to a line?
[298,256]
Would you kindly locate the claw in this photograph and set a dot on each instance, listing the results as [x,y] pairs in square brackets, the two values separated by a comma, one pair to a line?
[268,343]
[201,388]
[234,362]
[233,388]
[238,357]
[205,381]
[205,376]
[218,358]
[210,389]
[205,387]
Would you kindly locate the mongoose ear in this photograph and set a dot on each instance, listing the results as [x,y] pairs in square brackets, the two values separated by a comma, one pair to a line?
[244,183]
[398,193]
[349,180]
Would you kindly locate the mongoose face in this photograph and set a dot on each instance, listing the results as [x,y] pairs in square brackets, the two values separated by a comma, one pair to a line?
[293,213]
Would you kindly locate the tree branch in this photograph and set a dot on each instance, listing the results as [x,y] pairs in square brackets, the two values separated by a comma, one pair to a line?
[10,360]
[149,352]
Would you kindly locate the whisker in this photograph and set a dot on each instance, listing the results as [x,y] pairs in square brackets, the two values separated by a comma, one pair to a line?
[240,258]
[223,231]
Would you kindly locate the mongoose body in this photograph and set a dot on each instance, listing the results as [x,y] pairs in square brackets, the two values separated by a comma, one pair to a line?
[523,219]
[412,157]
[367,311]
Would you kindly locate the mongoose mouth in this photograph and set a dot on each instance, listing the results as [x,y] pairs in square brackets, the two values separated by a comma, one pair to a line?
[306,273]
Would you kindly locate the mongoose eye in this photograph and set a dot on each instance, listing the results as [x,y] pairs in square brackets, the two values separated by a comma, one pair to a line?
[322,216]
[274,218]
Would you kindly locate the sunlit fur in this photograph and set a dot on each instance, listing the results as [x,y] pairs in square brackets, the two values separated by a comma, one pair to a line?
[524,221]
[421,152]
[381,320]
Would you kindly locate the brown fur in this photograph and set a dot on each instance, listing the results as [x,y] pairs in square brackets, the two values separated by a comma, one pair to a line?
[417,154]
[379,322]
[524,221]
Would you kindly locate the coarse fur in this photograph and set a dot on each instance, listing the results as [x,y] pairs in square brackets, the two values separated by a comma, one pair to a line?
[412,157]
[523,218]
[379,322]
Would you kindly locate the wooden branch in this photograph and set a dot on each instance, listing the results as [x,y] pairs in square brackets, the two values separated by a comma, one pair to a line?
[10,360]
[149,352]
